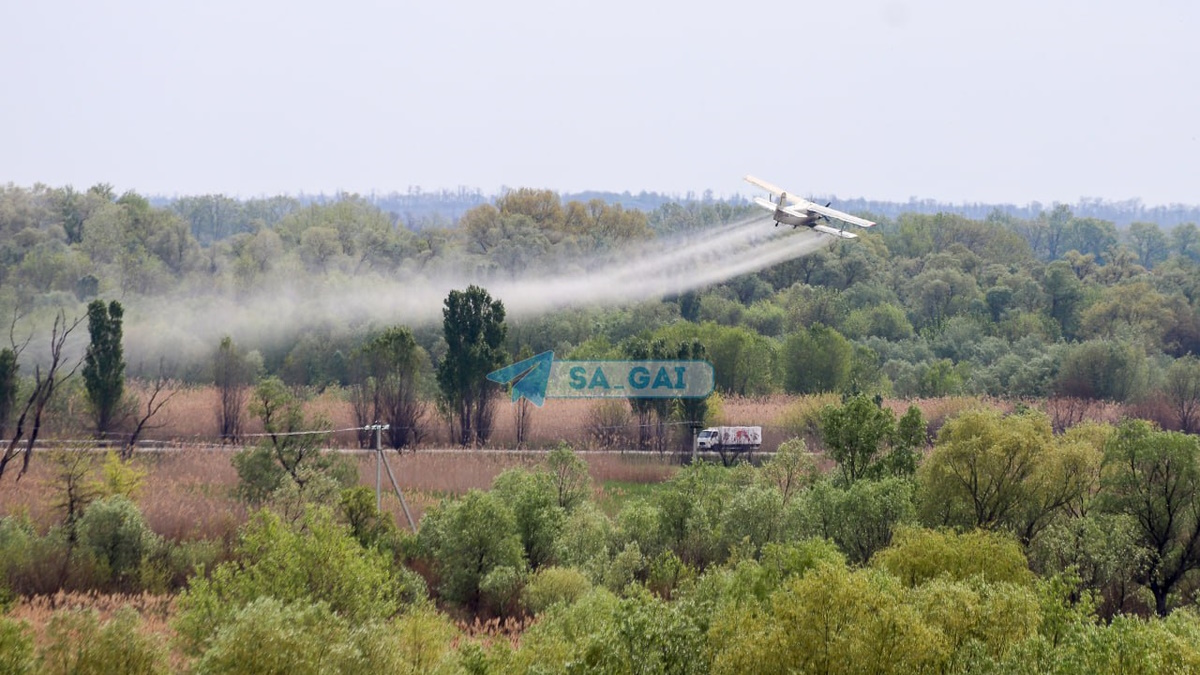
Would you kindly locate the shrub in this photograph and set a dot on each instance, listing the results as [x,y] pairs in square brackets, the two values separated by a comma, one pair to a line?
[31,564]
[918,555]
[269,636]
[501,589]
[585,541]
[316,560]
[116,534]
[534,500]
[16,647]
[569,474]
[78,643]
[860,519]
[552,585]
[466,539]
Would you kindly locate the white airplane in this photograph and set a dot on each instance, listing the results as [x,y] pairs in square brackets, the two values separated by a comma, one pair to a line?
[798,212]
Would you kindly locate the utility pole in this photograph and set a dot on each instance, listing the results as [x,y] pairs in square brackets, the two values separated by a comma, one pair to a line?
[378,445]
[382,463]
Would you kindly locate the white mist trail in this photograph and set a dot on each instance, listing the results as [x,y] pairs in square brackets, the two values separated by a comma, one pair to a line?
[188,329]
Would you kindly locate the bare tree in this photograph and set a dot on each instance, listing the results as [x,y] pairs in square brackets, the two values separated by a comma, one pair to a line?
[523,413]
[1067,411]
[161,391]
[607,420]
[45,383]
[1182,388]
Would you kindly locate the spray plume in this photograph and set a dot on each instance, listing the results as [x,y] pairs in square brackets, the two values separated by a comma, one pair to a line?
[186,329]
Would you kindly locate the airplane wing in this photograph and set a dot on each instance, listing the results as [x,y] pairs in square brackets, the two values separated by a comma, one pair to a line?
[799,212]
[835,232]
[773,189]
[795,202]
[765,203]
[813,207]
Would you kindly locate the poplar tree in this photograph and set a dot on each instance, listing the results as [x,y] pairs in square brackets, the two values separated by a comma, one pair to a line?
[104,364]
[474,329]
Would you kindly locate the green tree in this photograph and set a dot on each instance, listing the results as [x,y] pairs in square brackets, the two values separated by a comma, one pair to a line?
[918,555]
[290,451]
[232,375]
[1154,476]
[466,539]
[114,531]
[858,432]
[833,620]
[386,385]
[816,360]
[743,361]
[980,471]
[569,474]
[689,511]
[1150,243]
[693,412]
[474,330]
[1091,235]
[1185,239]
[532,496]
[1102,370]
[791,469]
[8,387]
[861,518]
[652,413]
[1064,295]
[104,364]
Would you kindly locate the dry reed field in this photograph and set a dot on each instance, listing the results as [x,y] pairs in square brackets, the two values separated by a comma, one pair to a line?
[190,418]
[189,489]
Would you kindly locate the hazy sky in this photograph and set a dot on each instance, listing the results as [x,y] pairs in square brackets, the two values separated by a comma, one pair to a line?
[1014,100]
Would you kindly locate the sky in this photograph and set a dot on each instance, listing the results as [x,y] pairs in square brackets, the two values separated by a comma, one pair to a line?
[1014,101]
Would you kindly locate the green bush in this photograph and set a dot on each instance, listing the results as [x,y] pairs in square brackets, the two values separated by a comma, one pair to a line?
[534,500]
[31,564]
[553,585]
[466,539]
[585,541]
[918,555]
[860,518]
[315,560]
[501,589]
[114,531]
[602,634]
[16,647]
[270,636]
[77,643]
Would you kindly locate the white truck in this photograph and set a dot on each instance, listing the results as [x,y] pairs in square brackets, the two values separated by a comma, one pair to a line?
[729,442]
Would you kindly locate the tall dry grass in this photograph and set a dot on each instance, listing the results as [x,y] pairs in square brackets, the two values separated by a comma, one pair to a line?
[189,489]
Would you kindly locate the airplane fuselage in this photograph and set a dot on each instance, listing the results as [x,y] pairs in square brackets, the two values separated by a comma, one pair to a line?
[808,220]
[788,219]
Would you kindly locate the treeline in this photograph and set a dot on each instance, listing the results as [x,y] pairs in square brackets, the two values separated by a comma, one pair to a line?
[1058,305]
